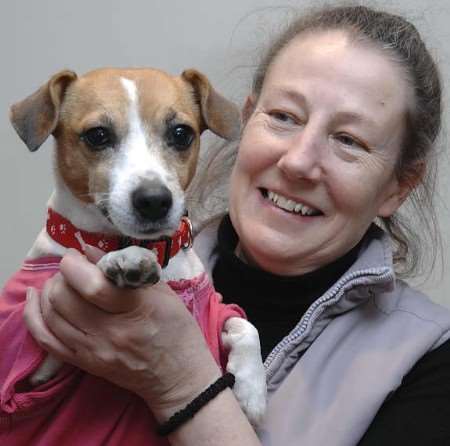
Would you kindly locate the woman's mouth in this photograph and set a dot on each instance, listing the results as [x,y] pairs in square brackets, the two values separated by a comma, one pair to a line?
[288,205]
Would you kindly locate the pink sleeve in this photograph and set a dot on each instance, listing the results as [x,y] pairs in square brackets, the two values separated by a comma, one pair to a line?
[206,306]
[20,354]
[218,315]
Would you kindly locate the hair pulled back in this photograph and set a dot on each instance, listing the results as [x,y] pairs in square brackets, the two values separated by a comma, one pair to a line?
[402,43]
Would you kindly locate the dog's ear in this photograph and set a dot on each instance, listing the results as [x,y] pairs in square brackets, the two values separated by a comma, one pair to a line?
[36,117]
[219,114]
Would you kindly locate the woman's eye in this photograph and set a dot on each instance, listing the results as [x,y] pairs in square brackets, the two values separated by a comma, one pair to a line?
[283,117]
[349,141]
[97,138]
[180,136]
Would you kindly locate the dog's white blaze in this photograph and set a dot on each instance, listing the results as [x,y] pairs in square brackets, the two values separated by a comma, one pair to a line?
[131,89]
[140,157]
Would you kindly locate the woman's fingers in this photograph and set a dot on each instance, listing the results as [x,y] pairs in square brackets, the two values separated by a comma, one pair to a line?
[90,282]
[69,318]
[38,329]
[59,298]
[144,340]
[60,338]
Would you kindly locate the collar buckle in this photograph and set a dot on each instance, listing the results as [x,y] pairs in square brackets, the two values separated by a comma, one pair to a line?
[190,239]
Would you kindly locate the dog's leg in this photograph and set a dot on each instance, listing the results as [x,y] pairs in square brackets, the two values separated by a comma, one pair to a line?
[46,371]
[131,267]
[244,361]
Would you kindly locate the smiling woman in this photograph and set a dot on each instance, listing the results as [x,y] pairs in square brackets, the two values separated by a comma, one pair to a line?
[339,129]
[324,140]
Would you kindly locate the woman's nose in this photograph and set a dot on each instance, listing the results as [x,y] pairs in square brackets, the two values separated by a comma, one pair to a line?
[303,156]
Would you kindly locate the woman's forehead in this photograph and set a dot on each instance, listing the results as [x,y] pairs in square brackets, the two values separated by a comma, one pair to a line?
[333,65]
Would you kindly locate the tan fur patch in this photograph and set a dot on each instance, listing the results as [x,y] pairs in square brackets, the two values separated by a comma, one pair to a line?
[99,99]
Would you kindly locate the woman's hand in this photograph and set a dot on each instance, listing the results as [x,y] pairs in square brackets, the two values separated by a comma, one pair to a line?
[142,339]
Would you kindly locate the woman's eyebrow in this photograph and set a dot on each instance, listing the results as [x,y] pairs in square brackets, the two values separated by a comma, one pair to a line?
[344,116]
[293,95]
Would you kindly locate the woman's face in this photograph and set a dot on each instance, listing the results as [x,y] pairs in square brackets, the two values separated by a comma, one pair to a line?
[317,155]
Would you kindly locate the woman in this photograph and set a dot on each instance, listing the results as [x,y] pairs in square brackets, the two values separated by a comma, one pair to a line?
[338,132]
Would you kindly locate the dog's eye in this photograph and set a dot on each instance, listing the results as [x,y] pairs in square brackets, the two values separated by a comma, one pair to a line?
[181,136]
[97,137]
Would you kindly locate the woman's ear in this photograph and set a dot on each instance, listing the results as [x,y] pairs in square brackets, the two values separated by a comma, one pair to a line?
[394,199]
[401,188]
[248,109]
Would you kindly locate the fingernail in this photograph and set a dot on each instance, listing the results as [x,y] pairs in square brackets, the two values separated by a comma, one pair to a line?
[93,253]
[89,249]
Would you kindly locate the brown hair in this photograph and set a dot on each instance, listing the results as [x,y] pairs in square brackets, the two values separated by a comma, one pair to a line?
[402,43]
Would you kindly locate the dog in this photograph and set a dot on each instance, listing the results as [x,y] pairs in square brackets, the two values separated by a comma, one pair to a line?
[127,145]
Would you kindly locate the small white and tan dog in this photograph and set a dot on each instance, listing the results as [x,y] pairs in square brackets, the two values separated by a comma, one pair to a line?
[127,144]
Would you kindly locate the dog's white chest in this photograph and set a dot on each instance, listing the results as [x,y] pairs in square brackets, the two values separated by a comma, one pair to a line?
[185,265]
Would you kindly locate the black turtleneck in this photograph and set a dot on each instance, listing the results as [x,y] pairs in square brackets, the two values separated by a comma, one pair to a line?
[417,413]
[271,302]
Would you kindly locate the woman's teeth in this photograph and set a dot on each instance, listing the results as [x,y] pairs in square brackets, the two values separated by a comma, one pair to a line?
[291,206]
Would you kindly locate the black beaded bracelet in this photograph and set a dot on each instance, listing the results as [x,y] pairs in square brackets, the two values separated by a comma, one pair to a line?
[183,415]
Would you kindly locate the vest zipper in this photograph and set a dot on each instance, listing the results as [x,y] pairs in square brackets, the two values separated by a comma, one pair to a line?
[346,283]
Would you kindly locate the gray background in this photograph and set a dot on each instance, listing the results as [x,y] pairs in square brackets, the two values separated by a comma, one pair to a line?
[221,38]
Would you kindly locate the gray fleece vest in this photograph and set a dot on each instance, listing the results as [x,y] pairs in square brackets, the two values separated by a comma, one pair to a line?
[356,343]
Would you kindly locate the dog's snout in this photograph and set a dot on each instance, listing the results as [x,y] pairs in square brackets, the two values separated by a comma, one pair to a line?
[152,202]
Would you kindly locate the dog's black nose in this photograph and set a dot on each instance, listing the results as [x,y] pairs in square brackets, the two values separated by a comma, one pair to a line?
[152,202]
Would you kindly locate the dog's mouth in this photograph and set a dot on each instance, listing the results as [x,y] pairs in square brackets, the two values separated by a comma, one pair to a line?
[154,230]
[131,225]
[104,210]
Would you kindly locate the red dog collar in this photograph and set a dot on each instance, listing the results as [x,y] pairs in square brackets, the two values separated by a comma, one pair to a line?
[66,234]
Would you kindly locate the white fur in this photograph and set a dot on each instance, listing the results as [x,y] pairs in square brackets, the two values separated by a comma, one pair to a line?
[46,370]
[185,265]
[244,362]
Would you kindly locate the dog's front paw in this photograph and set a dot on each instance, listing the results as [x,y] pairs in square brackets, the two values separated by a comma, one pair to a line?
[250,391]
[244,361]
[46,371]
[131,267]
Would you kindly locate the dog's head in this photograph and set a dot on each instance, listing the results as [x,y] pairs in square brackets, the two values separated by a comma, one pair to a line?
[127,141]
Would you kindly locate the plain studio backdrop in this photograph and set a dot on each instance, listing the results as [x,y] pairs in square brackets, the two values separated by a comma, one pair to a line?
[221,38]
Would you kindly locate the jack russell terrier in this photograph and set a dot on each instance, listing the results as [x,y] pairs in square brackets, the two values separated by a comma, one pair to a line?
[127,144]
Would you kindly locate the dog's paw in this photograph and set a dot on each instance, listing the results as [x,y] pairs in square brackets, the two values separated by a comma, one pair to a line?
[245,363]
[131,267]
[46,371]
[250,391]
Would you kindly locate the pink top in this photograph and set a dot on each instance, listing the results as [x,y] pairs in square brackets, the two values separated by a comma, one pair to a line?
[75,408]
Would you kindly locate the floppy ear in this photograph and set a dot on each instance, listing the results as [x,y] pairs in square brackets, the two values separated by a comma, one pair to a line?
[36,117]
[218,114]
